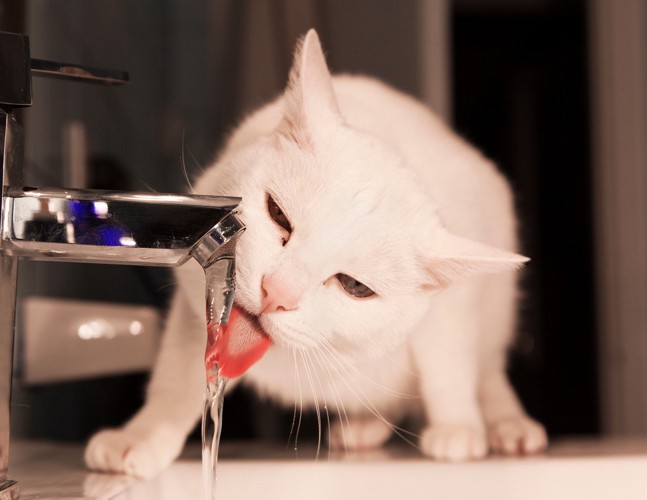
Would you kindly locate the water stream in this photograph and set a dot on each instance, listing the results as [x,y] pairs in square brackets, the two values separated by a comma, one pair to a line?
[220,280]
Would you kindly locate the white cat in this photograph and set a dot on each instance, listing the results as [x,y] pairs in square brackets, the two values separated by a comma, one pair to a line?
[379,258]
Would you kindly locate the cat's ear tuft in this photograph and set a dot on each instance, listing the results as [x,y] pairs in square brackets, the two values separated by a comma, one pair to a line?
[453,258]
[310,98]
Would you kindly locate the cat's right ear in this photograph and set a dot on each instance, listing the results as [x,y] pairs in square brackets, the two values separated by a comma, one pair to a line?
[310,100]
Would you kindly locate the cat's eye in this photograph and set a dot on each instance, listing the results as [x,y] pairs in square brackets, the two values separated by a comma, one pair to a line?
[277,215]
[354,287]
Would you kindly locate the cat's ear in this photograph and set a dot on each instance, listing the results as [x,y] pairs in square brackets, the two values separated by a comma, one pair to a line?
[452,258]
[310,98]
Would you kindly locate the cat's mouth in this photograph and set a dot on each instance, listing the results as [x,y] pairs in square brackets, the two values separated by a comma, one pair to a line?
[274,334]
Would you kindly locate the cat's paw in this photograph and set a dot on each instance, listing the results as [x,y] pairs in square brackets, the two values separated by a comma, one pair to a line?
[139,454]
[454,443]
[517,436]
[358,434]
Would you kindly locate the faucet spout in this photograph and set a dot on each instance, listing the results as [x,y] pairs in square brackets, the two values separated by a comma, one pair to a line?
[219,242]
[115,227]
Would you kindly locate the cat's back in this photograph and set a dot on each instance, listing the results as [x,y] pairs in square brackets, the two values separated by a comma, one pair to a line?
[473,198]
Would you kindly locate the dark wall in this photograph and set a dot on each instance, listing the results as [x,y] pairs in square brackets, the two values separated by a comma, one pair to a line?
[521,94]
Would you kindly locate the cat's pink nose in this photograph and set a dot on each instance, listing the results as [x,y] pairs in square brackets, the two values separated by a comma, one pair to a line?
[278,295]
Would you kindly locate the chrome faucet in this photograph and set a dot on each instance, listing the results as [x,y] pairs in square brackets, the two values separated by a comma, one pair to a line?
[85,225]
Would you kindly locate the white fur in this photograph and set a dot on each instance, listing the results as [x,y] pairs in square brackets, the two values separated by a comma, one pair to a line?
[376,187]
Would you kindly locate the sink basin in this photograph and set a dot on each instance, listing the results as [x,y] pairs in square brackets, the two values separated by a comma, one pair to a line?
[591,469]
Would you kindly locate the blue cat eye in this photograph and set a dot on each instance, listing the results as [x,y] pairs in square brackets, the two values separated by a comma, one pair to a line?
[353,287]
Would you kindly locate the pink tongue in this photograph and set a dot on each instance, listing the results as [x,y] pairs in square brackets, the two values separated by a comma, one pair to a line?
[235,346]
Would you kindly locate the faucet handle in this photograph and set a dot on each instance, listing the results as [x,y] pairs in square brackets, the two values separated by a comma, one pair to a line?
[17,67]
[78,73]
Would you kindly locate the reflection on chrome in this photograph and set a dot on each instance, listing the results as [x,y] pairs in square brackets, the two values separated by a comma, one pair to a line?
[103,226]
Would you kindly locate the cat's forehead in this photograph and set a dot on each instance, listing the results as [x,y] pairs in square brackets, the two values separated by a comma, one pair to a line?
[366,227]
[348,183]
[351,172]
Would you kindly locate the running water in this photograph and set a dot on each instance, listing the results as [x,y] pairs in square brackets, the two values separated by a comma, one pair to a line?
[220,279]
[235,341]
[211,427]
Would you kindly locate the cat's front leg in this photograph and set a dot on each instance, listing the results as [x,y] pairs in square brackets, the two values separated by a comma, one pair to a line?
[359,433]
[135,451]
[444,350]
[511,431]
[155,436]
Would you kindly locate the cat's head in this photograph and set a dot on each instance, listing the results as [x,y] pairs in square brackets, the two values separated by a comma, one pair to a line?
[343,245]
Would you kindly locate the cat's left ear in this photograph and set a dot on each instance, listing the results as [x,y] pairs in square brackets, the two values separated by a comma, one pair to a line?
[310,98]
[452,258]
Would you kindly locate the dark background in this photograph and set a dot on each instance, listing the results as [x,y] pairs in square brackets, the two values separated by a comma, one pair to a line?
[521,94]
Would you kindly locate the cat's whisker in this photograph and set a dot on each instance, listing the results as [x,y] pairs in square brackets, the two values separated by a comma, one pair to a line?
[325,401]
[331,349]
[294,414]
[316,400]
[148,186]
[194,159]
[402,433]
[318,404]
[339,404]
[167,285]
[297,386]
[184,170]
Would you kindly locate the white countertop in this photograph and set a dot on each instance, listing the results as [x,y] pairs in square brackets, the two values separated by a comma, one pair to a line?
[572,469]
